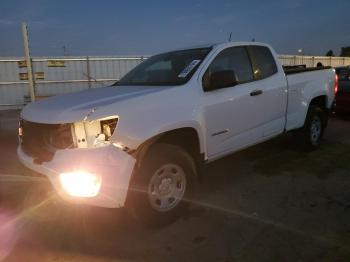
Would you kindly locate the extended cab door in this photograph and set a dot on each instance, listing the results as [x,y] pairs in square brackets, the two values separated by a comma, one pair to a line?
[242,114]
[271,80]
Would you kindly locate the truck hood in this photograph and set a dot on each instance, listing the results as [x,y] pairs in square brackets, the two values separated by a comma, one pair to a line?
[77,106]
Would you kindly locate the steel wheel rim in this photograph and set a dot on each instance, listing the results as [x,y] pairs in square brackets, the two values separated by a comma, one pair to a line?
[315,129]
[167,187]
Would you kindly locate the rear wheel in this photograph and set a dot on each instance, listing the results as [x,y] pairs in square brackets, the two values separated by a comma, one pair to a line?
[311,133]
[163,185]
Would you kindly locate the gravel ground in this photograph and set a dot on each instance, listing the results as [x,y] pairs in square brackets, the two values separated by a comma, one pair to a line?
[271,202]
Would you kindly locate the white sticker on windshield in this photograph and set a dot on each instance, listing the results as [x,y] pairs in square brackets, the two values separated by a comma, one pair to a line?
[188,68]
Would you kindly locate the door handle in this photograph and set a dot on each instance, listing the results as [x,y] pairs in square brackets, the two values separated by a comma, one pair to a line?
[256,92]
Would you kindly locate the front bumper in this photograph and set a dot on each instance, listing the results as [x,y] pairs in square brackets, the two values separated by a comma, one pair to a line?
[113,165]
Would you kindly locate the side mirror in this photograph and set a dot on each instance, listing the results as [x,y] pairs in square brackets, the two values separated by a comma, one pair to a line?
[221,79]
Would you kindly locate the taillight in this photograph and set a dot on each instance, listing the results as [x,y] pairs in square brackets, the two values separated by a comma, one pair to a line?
[336,84]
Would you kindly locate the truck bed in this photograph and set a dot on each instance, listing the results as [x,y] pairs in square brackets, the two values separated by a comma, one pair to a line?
[304,83]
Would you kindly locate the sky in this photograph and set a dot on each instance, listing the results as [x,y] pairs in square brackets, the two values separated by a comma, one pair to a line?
[108,27]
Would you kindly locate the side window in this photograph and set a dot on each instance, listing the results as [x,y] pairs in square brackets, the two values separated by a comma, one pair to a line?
[233,59]
[264,64]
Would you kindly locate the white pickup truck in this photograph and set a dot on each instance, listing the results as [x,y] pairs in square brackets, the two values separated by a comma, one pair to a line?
[141,142]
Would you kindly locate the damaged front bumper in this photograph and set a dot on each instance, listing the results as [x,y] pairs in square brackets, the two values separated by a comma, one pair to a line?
[113,166]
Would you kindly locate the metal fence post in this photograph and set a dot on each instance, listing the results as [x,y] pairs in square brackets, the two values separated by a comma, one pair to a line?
[88,71]
[31,83]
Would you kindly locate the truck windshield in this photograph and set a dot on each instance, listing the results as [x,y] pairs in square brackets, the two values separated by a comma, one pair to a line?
[172,68]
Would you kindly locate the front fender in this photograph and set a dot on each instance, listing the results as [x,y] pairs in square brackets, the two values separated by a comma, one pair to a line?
[134,137]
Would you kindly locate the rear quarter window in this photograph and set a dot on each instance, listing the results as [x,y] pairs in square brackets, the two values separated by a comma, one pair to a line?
[264,64]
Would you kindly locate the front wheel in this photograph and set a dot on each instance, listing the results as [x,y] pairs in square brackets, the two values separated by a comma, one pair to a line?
[163,185]
[312,132]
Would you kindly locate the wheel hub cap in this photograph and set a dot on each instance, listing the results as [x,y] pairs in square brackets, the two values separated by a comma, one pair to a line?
[167,187]
[315,129]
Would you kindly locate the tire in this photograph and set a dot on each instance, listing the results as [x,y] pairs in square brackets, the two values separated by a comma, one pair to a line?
[310,135]
[163,185]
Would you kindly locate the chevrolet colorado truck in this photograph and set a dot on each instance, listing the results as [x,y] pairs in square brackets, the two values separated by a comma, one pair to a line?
[142,141]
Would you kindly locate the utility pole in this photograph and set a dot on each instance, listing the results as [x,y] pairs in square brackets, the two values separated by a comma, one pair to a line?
[31,83]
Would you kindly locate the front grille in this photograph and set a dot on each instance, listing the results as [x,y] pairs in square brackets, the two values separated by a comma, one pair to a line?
[41,141]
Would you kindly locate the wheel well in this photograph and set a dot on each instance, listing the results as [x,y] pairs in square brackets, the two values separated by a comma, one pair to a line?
[187,138]
[320,101]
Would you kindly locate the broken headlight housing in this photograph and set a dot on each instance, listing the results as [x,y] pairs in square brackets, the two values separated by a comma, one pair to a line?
[107,128]
[95,133]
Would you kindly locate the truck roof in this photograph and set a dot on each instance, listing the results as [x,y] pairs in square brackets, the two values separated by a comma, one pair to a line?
[223,44]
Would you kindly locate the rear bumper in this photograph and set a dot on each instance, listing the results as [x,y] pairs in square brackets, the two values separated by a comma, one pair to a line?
[113,165]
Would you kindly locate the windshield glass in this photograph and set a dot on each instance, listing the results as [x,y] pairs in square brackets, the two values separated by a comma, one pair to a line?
[172,68]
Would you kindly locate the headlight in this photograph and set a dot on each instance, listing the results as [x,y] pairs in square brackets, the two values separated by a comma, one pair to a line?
[81,183]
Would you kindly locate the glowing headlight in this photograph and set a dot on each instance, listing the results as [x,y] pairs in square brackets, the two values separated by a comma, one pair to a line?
[80,183]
